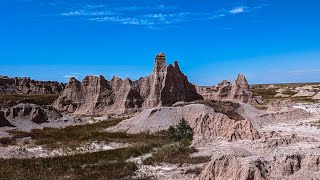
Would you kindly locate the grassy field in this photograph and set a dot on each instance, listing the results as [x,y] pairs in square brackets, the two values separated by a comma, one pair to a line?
[268,94]
[109,164]
[99,165]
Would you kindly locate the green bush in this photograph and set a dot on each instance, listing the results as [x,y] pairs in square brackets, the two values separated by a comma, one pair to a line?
[181,131]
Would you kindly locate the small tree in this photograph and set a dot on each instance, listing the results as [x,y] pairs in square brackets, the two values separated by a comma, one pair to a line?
[181,131]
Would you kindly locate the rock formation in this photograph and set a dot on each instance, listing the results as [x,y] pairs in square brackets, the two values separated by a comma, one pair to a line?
[28,86]
[30,112]
[3,121]
[239,90]
[95,95]
[207,124]
[282,163]
[317,96]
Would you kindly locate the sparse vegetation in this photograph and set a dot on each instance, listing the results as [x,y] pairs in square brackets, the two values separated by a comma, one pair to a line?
[41,99]
[175,153]
[181,131]
[6,141]
[109,164]
[195,171]
[225,107]
[268,94]
[179,151]
[99,165]
[74,136]
[314,124]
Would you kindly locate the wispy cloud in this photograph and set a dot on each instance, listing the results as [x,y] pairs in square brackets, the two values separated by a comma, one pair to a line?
[75,75]
[86,13]
[52,4]
[238,10]
[95,6]
[148,15]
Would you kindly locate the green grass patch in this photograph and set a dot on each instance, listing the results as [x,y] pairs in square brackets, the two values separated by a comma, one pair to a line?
[74,136]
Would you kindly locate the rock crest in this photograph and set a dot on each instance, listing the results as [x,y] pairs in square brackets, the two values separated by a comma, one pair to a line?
[95,95]
[239,90]
[28,86]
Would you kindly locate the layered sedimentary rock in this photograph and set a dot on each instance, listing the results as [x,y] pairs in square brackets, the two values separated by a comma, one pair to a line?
[207,124]
[28,86]
[165,86]
[239,90]
[30,112]
[317,96]
[282,163]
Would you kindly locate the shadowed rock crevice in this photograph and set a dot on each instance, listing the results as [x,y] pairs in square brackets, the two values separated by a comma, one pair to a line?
[3,121]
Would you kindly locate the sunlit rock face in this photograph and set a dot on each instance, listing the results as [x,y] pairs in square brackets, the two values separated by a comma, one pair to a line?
[165,86]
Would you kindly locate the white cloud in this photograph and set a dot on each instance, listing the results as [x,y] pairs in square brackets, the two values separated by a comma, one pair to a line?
[150,15]
[238,10]
[86,13]
[122,20]
[70,76]
[95,6]
[75,75]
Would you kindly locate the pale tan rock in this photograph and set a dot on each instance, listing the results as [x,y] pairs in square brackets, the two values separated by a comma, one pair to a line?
[28,86]
[205,122]
[239,91]
[304,93]
[95,95]
[280,95]
[283,163]
[317,96]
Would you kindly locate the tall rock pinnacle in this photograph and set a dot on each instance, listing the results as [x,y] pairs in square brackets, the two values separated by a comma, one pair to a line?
[165,86]
[160,63]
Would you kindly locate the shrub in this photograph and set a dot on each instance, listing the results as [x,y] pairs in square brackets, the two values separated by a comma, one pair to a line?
[181,131]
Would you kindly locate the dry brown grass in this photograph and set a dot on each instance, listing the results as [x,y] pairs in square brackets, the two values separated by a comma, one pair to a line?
[41,99]
[175,153]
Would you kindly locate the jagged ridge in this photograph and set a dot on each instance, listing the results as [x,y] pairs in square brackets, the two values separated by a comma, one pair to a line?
[165,86]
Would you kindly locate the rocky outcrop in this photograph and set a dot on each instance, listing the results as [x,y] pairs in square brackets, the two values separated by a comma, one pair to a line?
[31,112]
[207,124]
[282,163]
[317,96]
[96,95]
[239,90]
[3,121]
[28,86]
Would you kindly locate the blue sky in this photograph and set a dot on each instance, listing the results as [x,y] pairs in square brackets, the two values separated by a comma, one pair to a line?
[270,41]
